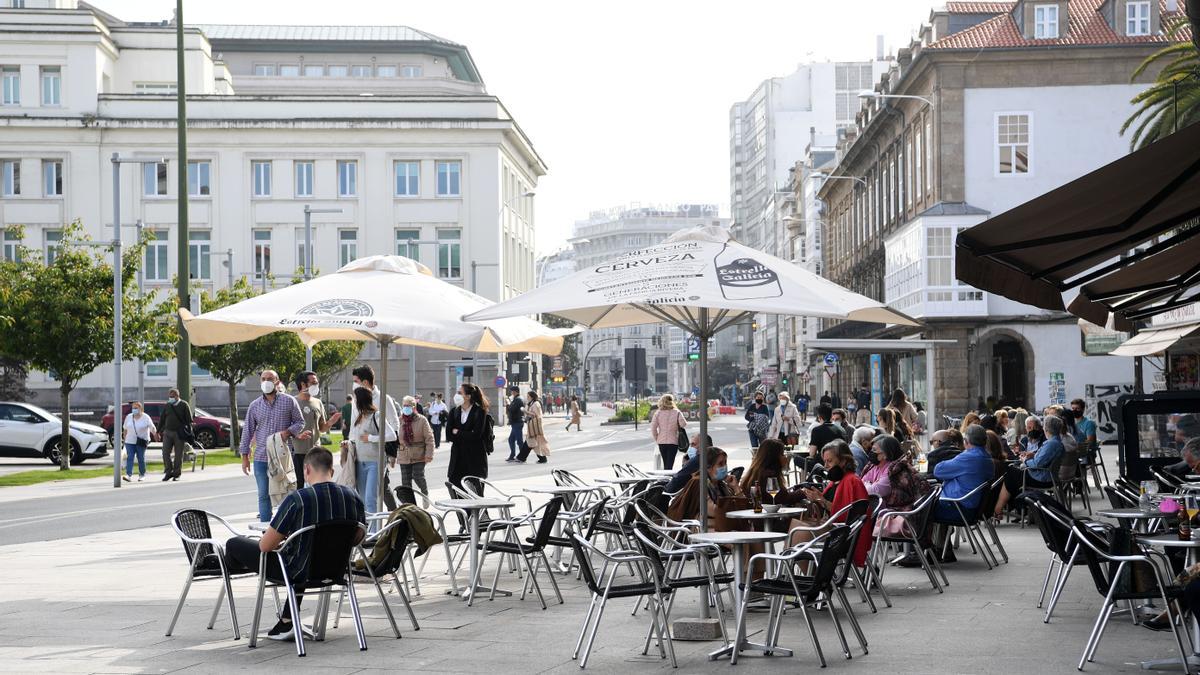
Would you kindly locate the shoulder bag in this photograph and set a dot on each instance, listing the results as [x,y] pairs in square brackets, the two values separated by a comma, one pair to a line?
[186,432]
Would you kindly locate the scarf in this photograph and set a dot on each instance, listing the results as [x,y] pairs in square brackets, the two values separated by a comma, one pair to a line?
[408,430]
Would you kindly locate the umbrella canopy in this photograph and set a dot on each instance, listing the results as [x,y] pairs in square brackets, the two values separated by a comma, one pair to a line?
[701,267]
[389,298]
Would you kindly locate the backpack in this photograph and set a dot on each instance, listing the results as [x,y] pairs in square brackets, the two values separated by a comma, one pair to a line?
[907,487]
[760,425]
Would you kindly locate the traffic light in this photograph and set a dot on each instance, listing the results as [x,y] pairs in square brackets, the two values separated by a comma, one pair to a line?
[785,381]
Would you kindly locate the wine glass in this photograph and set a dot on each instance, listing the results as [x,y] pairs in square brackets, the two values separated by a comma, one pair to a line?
[772,488]
[1191,504]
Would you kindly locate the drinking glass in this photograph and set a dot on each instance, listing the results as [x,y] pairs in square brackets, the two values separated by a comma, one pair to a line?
[772,488]
[1191,504]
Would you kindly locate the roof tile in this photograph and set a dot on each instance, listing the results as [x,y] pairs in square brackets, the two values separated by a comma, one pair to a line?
[1086,27]
[978,7]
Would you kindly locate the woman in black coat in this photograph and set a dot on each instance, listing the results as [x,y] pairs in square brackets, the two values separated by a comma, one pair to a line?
[467,430]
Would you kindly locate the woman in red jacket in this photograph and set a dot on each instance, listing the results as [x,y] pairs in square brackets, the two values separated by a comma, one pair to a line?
[844,488]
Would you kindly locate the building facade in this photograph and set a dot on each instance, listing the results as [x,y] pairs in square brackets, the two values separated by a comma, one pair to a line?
[388,128]
[605,235]
[994,104]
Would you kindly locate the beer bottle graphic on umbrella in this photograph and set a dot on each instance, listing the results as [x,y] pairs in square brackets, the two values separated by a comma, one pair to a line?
[744,278]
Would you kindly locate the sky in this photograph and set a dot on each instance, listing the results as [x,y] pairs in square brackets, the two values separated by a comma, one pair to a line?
[626,101]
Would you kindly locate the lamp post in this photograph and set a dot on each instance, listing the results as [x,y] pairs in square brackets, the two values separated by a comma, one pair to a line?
[228,263]
[308,262]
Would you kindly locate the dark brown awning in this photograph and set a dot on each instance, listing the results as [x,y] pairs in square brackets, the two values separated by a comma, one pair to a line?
[1111,232]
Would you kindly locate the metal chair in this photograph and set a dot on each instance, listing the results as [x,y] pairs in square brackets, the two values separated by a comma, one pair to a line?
[1054,523]
[392,565]
[669,559]
[1119,498]
[439,518]
[603,588]
[206,560]
[917,523]
[967,520]
[529,552]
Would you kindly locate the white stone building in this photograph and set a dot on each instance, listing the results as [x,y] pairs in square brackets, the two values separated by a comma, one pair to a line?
[388,125]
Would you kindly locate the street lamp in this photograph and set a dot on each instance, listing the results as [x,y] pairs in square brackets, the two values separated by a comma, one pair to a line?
[868,95]
[228,263]
[308,262]
[827,176]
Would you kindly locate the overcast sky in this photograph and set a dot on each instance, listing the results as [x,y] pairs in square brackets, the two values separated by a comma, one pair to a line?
[627,101]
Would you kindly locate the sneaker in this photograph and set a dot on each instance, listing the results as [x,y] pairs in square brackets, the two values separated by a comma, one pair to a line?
[141,478]
[542,460]
[281,631]
[1157,624]
[127,478]
[910,560]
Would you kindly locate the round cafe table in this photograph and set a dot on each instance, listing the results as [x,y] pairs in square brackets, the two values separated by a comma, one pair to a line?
[668,473]
[738,540]
[1139,519]
[1192,548]
[763,520]
[474,507]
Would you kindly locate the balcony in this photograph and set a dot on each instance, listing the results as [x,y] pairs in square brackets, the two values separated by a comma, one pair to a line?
[919,266]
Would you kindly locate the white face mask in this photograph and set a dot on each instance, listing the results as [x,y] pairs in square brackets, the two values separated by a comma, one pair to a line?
[137,412]
[314,390]
[458,399]
[267,386]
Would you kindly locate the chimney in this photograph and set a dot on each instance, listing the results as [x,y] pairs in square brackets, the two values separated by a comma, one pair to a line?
[879,45]
[812,136]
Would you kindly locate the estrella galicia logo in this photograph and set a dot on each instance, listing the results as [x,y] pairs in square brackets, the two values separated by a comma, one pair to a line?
[338,307]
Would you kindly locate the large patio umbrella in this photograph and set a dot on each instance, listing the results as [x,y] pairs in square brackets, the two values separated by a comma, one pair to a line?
[700,280]
[383,299]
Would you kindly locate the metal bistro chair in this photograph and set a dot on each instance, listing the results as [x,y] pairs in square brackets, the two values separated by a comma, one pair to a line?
[1054,523]
[669,559]
[1120,498]
[330,545]
[392,565]
[967,520]
[206,560]
[1107,570]
[460,540]
[604,589]
[917,521]
[532,552]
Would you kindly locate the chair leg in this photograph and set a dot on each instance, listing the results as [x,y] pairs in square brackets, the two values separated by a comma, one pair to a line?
[587,620]
[187,584]
[862,639]
[977,549]
[837,625]
[407,605]
[587,650]
[550,573]
[1064,572]
[387,608]
[1103,626]
[1179,632]
[237,630]
[664,633]
[262,584]
[212,619]
[1046,581]
[297,625]
[358,624]
[937,565]
[812,633]
[996,538]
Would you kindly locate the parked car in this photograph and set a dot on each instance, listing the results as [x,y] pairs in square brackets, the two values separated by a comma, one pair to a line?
[29,431]
[211,431]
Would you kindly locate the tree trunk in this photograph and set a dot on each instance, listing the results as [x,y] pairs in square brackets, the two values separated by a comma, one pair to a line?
[64,442]
[233,418]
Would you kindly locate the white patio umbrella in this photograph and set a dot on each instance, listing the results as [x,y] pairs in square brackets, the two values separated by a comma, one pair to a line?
[700,280]
[383,299]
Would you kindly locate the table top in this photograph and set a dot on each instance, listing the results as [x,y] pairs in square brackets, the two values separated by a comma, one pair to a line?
[749,514]
[1134,513]
[736,537]
[1170,540]
[660,472]
[484,503]
[561,489]
[625,480]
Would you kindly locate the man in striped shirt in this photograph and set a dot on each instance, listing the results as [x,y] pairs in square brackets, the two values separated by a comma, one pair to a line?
[321,500]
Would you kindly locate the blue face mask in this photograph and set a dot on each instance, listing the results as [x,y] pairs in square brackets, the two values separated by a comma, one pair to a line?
[406,411]
[722,473]
[691,452]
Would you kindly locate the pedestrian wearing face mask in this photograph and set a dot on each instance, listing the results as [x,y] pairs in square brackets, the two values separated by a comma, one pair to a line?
[272,413]
[416,449]
[467,429]
[175,423]
[308,386]
[139,428]
[758,419]
[689,468]
[535,434]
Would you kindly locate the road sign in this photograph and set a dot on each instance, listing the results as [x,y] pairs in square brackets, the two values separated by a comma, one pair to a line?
[693,348]
[557,368]
[458,370]
[805,376]
[831,359]
[500,381]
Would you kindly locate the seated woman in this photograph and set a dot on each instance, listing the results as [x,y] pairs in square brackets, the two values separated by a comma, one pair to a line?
[771,461]
[844,488]
[1037,465]
[720,483]
[893,477]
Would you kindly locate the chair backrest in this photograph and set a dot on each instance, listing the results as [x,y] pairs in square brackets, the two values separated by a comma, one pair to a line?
[834,553]
[546,524]
[1118,498]
[580,547]
[991,496]
[459,493]
[395,556]
[475,485]
[567,478]
[1095,552]
[634,471]
[619,470]
[1126,484]
[1167,481]
[193,523]
[595,517]
[922,519]
[1055,530]
[330,545]
[645,537]
[856,524]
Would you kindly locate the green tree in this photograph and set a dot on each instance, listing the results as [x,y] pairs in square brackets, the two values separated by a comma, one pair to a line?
[329,358]
[722,371]
[1173,99]
[233,363]
[65,315]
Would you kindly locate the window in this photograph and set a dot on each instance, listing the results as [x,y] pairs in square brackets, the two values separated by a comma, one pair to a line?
[450,254]
[156,369]
[314,71]
[157,252]
[18,4]
[1045,22]
[51,85]
[264,69]
[1012,143]
[10,177]
[154,179]
[1137,18]
[339,71]
[11,76]
[408,179]
[347,246]
[918,175]
[197,371]
[262,253]
[12,246]
[385,71]
[199,255]
[304,178]
[360,71]
[410,71]
[406,244]
[53,241]
[928,155]
[289,70]
[347,177]
[262,178]
[938,245]
[301,251]
[448,176]
[199,178]
[167,88]
[52,177]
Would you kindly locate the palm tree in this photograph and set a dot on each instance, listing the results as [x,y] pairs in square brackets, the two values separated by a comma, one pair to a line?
[1173,100]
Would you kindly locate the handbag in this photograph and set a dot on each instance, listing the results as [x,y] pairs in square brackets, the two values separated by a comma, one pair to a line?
[347,473]
[722,523]
[186,432]
[681,437]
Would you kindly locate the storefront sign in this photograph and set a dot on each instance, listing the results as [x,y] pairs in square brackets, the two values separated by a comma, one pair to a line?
[1179,315]
[1184,372]
[1058,389]
[1102,407]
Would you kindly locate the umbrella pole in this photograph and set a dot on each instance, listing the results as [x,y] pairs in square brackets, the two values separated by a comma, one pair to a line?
[383,414]
[702,451]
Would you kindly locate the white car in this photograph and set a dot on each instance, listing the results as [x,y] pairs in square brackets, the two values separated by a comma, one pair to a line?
[29,431]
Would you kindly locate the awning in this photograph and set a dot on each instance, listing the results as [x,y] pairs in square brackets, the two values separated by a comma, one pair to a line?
[1114,234]
[1150,342]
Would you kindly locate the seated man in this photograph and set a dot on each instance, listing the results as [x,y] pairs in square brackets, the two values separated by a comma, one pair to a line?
[858,446]
[965,472]
[943,445]
[689,468]
[321,500]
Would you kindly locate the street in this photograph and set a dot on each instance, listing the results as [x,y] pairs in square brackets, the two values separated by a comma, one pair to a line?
[89,506]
